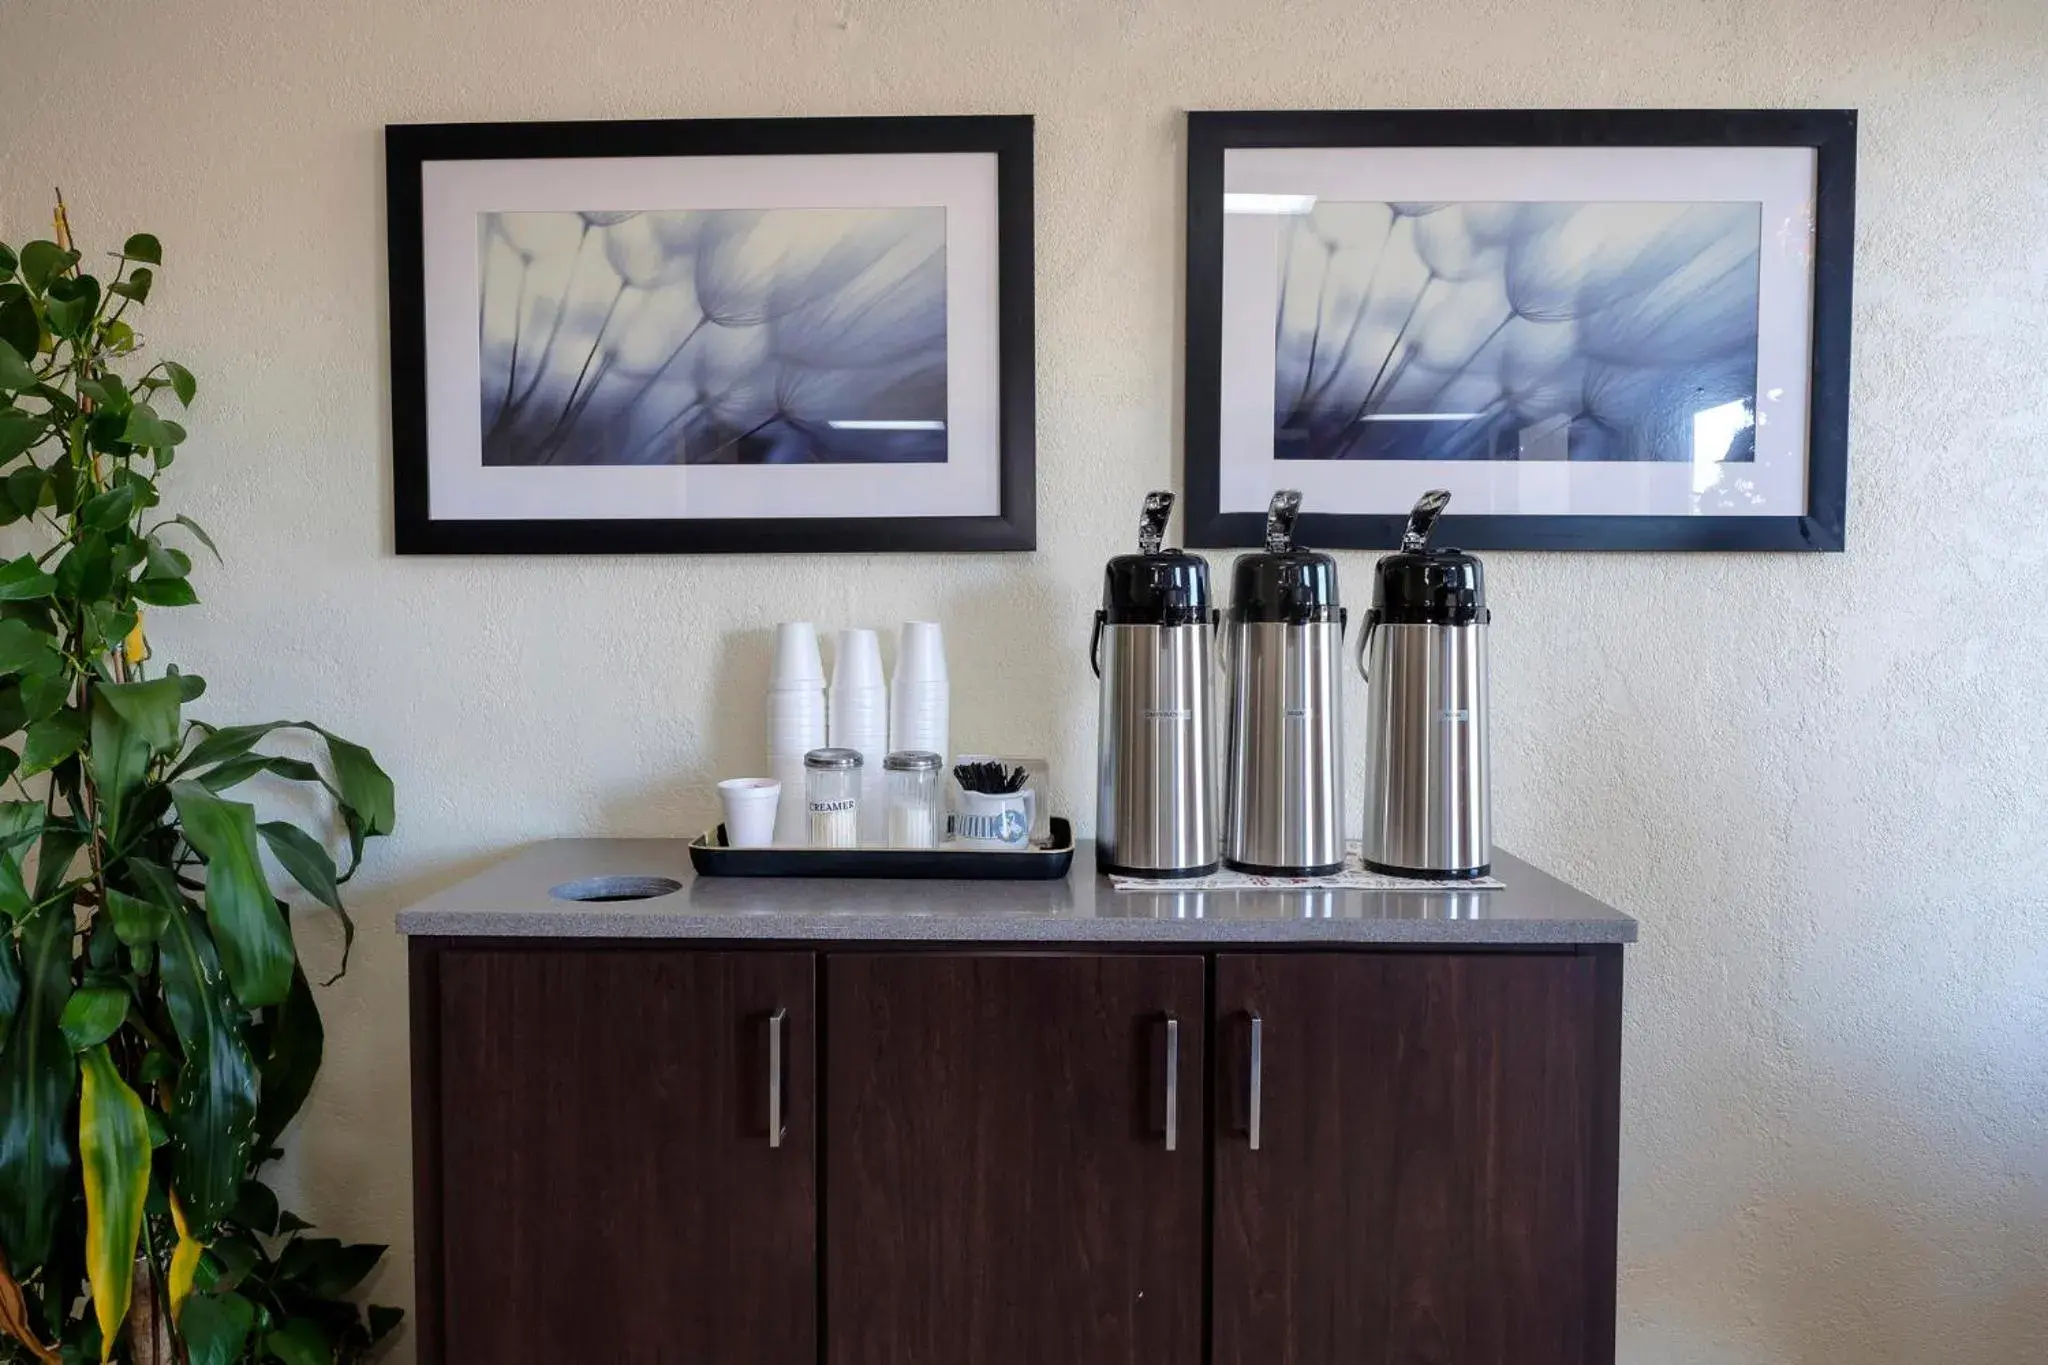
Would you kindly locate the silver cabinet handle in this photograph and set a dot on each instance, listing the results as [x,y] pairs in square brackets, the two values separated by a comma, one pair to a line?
[776,1130]
[1258,1067]
[1172,1084]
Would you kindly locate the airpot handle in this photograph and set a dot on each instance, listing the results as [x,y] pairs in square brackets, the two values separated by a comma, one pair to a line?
[1422,520]
[1152,520]
[1280,515]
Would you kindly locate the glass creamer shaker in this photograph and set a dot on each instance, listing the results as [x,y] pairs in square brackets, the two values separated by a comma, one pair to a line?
[832,794]
[913,786]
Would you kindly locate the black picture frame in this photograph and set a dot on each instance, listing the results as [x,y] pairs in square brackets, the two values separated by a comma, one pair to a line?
[1832,135]
[407,147]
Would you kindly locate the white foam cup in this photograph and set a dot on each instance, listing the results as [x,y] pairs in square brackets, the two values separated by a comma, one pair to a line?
[750,804]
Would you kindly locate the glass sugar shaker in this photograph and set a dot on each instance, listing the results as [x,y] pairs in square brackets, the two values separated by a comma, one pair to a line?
[832,795]
[912,777]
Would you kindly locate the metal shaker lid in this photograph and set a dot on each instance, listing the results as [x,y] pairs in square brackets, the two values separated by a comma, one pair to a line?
[1156,587]
[1283,582]
[1418,586]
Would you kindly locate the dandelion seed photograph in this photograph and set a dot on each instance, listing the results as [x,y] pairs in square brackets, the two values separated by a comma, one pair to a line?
[736,336]
[1596,329]
[682,336]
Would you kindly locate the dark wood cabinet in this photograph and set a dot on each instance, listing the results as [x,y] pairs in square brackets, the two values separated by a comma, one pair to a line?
[1004,1180]
[604,1184]
[1433,1176]
[658,1154]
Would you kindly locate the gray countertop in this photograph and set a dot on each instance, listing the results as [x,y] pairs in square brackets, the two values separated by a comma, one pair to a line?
[511,899]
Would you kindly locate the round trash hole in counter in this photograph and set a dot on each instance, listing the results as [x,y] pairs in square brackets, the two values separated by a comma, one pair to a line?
[615,889]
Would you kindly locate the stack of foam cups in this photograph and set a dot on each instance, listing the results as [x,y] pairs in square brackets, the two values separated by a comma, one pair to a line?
[796,722]
[858,718]
[918,695]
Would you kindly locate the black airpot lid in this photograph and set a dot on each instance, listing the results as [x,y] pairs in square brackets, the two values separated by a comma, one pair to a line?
[1156,587]
[1167,588]
[1418,586]
[1294,586]
[1284,582]
[1429,588]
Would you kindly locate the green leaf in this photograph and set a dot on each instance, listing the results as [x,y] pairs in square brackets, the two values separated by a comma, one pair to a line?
[310,865]
[21,822]
[223,743]
[15,375]
[92,1014]
[256,1207]
[51,741]
[71,303]
[107,626]
[42,693]
[119,755]
[145,428]
[182,382]
[40,262]
[238,1255]
[300,1342]
[25,488]
[19,325]
[139,922]
[164,562]
[23,580]
[113,1150]
[106,390]
[255,945]
[213,1109]
[18,432]
[150,707]
[289,1222]
[8,260]
[365,787]
[143,247]
[10,987]
[64,490]
[199,534]
[24,649]
[87,569]
[54,856]
[294,1041]
[327,1268]
[216,1327]
[234,772]
[164,592]
[108,510]
[135,287]
[38,1077]
[107,429]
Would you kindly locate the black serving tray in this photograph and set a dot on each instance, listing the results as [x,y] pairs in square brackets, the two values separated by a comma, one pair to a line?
[712,858]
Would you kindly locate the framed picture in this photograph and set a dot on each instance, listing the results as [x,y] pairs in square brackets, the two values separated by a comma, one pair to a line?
[712,335]
[1622,330]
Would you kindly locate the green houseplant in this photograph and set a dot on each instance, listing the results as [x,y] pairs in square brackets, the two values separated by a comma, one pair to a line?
[157,1030]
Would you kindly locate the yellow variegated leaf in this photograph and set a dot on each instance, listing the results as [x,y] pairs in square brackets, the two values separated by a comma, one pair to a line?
[14,1319]
[136,648]
[184,1260]
[113,1150]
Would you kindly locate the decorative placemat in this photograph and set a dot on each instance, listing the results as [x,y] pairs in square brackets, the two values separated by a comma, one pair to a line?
[1354,876]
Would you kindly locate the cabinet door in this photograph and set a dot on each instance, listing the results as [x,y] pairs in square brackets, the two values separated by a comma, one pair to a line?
[1434,1172]
[609,1184]
[1006,1180]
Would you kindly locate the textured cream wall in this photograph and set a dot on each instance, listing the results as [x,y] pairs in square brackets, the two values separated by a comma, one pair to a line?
[1817,781]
